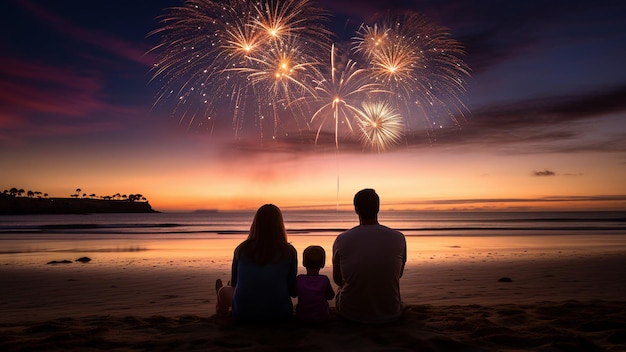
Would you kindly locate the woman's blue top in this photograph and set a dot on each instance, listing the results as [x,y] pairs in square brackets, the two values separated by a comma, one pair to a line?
[263,292]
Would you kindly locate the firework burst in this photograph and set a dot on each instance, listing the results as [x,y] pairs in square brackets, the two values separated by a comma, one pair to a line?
[339,91]
[231,51]
[418,61]
[284,71]
[381,125]
[285,19]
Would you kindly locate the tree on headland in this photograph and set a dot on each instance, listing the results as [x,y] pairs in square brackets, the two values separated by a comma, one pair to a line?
[77,194]
[132,197]
[136,197]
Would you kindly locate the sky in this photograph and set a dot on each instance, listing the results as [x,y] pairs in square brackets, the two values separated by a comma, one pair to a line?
[544,126]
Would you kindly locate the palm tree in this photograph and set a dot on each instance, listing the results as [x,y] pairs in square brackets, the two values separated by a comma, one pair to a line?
[30,194]
[20,191]
[13,191]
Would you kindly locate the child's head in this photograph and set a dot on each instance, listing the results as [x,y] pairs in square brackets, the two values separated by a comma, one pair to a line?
[314,257]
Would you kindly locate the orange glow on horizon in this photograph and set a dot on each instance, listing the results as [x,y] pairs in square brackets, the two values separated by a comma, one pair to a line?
[236,204]
[187,180]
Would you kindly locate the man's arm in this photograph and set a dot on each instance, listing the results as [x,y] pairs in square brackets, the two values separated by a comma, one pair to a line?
[403,259]
[337,270]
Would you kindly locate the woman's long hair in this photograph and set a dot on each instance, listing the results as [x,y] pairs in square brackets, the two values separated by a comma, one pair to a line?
[267,240]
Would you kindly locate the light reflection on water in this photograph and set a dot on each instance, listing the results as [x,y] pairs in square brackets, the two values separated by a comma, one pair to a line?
[210,238]
[214,249]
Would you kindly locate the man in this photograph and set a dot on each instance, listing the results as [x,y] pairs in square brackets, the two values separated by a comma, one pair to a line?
[368,261]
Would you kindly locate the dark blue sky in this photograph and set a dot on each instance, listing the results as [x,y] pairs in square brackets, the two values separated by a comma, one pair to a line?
[546,77]
[523,53]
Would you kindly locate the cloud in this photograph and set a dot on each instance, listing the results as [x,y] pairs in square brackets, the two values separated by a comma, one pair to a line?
[542,125]
[498,203]
[551,110]
[38,99]
[544,173]
[39,87]
[592,198]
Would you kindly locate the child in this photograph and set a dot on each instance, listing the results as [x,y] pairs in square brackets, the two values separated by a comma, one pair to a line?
[314,290]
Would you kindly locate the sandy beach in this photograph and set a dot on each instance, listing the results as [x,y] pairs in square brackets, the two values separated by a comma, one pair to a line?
[565,300]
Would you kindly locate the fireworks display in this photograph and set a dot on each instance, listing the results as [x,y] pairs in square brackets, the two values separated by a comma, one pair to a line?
[380,124]
[275,60]
[339,93]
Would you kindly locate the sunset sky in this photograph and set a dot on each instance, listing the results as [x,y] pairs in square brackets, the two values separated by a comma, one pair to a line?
[545,127]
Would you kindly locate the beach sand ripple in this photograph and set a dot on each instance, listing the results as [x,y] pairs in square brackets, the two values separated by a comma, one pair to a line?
[544,326]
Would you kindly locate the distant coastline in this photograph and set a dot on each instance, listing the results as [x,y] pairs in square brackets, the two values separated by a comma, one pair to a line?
[11,205]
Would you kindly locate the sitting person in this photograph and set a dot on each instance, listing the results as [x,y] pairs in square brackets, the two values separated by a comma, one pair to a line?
[368,261]
[313,290]
[263,276]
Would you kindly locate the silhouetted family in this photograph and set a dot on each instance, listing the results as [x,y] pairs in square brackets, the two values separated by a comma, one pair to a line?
[368,261]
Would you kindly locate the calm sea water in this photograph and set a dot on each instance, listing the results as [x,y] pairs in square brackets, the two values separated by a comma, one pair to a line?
[165,237]
[314,222]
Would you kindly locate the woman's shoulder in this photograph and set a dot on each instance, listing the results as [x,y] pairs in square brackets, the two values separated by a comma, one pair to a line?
[240,247]
[292,250]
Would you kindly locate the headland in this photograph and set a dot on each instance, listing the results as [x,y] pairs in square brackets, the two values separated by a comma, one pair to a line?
[11,205]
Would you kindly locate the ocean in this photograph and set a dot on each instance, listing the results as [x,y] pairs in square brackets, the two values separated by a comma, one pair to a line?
[33,239]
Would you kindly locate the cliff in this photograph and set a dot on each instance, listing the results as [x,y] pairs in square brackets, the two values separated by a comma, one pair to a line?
[10,205]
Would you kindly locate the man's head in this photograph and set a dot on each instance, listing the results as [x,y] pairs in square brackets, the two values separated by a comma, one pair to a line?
[367,204]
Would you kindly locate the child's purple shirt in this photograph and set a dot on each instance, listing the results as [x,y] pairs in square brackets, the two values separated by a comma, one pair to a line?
[312,303]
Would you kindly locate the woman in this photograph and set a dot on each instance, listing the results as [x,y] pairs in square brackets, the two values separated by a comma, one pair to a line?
[263,272]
